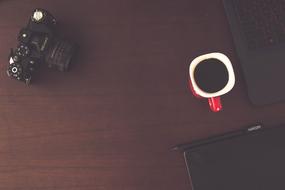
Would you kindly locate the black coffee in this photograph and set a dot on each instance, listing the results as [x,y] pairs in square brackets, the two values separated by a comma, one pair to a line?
[211,75]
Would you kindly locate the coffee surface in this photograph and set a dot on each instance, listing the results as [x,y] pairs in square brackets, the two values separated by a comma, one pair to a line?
[211,75]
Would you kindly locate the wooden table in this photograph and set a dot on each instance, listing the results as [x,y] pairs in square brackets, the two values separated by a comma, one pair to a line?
[110,122]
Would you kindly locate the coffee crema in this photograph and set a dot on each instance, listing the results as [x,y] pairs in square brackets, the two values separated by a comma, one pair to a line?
[211,75]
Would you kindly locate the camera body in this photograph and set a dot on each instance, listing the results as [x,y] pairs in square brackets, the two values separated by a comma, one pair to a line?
[39,44]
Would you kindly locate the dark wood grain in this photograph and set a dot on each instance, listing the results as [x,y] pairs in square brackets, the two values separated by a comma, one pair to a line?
[110,122]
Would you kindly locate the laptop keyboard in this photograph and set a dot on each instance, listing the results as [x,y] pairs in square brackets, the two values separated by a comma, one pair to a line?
[262,21]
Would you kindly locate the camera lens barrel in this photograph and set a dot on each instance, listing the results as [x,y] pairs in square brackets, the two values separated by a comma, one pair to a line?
[61,54]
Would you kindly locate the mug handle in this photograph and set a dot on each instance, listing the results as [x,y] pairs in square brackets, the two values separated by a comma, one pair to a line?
[215,104]
[192,89]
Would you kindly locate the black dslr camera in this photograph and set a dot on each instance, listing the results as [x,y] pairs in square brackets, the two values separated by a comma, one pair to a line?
[39,44]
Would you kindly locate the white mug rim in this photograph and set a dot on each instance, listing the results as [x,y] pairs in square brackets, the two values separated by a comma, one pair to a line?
[226,61]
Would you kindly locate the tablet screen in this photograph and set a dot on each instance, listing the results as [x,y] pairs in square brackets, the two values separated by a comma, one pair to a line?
[254,161]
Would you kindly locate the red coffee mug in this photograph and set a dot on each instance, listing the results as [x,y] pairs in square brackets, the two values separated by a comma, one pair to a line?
[214,99]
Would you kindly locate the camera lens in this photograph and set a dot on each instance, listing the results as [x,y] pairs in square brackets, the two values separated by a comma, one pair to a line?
[60,55]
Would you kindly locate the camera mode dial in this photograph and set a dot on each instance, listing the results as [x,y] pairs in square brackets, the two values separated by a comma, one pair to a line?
[15,70]
[23,51]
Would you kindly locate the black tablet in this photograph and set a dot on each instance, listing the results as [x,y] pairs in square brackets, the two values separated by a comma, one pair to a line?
[245,160]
